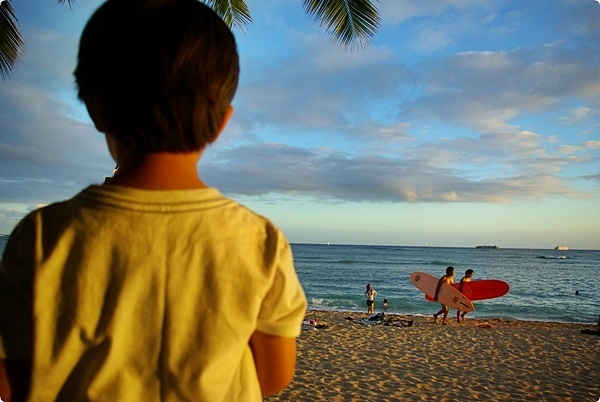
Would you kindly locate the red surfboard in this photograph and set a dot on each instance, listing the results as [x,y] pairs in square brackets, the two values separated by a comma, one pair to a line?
[481,289]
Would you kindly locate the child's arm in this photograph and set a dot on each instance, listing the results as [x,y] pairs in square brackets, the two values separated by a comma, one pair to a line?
[461,284]
[275,360]
[439,285]
[14,379]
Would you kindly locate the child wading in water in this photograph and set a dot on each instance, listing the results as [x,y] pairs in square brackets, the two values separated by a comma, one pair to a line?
[449,279]
[370,293]
[467,278]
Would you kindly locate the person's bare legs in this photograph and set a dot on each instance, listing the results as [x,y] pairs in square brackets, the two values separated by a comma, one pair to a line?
[442,310]
[444,317]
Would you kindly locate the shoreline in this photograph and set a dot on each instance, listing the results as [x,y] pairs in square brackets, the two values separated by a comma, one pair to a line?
[470,316]
[350,360]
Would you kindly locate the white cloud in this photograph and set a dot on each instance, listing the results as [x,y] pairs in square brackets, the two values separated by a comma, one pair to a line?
[498,106]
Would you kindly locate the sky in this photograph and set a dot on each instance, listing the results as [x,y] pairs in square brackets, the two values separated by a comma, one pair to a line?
[464,123]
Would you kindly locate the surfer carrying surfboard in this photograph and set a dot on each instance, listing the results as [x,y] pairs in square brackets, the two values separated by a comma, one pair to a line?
[449,279]
[467,278]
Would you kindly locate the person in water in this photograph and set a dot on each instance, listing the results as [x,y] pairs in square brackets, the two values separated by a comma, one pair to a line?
[448,279]
[460,315]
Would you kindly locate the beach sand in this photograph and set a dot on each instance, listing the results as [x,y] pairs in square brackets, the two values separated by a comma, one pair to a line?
[510,361]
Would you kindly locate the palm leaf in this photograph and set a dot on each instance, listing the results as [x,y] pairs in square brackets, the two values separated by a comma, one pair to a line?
[235,13]
[11,42]
[352,23]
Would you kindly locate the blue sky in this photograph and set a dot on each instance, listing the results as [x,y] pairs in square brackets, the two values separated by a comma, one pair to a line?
[466,122]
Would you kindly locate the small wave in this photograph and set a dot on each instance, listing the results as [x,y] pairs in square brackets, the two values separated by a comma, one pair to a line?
[316,302]
[437,262]
[363,262]
[552,257]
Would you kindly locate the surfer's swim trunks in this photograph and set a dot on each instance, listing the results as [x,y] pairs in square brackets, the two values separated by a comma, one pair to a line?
[369,302]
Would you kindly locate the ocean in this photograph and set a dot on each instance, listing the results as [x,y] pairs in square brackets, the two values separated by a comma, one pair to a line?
[543,283]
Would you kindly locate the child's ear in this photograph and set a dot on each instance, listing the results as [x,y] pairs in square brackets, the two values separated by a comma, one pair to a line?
[98,123]
[226,117]
[95,115]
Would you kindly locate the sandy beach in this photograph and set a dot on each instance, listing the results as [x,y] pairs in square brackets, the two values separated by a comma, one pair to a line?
[480,360]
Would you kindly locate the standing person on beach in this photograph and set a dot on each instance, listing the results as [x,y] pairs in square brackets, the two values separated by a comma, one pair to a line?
[467,278]
[152,286]
[370,293]
[449,279]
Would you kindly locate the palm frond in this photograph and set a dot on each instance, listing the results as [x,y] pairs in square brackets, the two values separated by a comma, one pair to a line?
[12,46]
[11,42]
[352,23]
[235,13]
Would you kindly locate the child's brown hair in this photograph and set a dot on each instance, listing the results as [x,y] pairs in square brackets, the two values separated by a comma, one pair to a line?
[157,75]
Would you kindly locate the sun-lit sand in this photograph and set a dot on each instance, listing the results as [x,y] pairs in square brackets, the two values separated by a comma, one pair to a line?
[510,360]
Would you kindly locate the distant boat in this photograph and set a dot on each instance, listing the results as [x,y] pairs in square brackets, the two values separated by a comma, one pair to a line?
[493,247]
[561,248]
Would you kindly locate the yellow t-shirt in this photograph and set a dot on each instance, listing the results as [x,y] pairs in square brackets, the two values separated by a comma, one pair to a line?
[130,295]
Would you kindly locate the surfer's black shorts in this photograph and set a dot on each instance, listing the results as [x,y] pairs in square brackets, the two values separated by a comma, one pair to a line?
[369,302]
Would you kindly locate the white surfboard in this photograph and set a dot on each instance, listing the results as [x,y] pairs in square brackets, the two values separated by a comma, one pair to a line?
[447,295]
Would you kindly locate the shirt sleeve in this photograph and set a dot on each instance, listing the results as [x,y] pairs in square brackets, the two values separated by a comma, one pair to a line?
[16,284]
[284,306]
